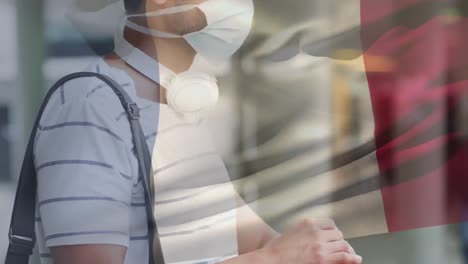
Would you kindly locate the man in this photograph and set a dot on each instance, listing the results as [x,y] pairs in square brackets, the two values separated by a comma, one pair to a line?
[90,200]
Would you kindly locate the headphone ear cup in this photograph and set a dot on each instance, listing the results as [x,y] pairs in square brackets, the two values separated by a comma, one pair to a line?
[192,92]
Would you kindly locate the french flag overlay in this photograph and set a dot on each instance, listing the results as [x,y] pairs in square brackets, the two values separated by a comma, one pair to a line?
[416,60]
[415,57]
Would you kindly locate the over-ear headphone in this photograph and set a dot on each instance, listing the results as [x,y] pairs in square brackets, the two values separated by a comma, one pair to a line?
[191,92]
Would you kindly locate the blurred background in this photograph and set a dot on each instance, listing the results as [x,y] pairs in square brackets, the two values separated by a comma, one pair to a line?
[282,118]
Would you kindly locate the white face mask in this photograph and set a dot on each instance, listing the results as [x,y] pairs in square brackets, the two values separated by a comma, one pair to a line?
[228,25]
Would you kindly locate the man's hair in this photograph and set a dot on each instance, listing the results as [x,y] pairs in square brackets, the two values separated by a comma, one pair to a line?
[133,6]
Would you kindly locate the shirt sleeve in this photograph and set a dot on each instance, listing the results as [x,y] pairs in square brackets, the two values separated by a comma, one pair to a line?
[84,175]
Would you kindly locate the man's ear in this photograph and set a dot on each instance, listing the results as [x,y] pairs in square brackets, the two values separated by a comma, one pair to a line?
[160,2]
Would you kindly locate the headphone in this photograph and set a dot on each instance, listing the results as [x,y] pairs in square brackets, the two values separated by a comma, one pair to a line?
[191,92]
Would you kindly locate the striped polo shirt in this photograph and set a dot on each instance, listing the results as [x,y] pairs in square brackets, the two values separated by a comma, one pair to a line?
[89,191]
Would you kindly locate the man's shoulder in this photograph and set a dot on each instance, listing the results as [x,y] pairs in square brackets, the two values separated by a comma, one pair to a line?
[91,91]
[91,103]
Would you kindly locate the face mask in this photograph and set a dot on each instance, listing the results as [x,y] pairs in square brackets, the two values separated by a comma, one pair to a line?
[188,93]
[228,25]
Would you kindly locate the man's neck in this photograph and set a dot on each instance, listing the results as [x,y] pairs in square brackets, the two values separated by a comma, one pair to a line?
[175,54]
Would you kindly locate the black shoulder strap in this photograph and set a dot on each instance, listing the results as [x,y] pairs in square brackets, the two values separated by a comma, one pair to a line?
[22,235]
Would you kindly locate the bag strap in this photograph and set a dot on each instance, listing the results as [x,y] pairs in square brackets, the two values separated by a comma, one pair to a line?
[22,235]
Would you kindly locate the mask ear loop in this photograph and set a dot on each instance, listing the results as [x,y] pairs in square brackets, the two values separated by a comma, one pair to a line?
[153,32]
[150,32]
[167,11]
[132,56]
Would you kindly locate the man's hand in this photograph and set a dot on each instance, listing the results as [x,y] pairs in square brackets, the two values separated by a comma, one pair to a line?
[312,242]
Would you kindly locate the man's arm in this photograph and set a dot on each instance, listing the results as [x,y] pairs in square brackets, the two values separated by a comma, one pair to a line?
[310,242]
[89,254]
[258,256]
[108,254]
[252,232]
[81,202]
